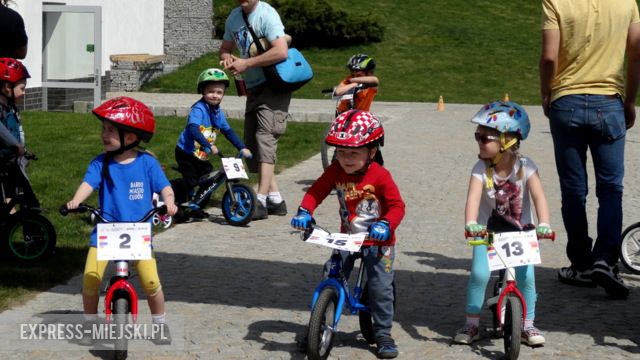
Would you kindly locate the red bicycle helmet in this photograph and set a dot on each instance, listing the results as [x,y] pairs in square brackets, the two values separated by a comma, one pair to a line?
[12,70]
[128,114]
[355,128]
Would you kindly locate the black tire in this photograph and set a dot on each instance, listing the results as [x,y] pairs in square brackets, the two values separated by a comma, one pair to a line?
[121,315]
[512,327]
[321,335]
[630,248]
[241,213]
[30,237]
[324,150]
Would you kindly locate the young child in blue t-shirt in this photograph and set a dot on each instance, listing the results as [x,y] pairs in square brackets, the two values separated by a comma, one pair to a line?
[204,121]
[126,179]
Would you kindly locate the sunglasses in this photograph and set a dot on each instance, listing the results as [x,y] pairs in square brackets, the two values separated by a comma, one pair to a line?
[485,139]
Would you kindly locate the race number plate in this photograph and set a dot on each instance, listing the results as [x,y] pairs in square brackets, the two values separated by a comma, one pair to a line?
[513,249]
[124,241]
[234,168]
[340,241]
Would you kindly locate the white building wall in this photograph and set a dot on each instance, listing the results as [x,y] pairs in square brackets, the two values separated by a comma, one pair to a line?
[128,26]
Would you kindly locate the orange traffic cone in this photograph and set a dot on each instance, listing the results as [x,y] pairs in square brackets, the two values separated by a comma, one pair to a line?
[506,97]
[440,106]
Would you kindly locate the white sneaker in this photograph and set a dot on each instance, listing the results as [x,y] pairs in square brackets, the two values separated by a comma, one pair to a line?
[532,337]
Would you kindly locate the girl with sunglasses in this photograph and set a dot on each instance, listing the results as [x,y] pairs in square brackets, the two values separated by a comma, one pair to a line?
[503,183]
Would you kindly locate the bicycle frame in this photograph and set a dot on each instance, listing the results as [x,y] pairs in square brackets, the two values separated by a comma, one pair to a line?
[212,182]
[338,281]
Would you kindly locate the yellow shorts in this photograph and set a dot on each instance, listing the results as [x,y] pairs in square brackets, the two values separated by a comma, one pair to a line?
[94,271]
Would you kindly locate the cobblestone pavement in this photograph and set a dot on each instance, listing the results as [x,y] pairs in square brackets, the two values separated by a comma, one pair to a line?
[244,292]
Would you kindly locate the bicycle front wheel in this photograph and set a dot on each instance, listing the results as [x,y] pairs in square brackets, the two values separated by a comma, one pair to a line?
[321,332]
[30,237]
[512,327]
[630,248]
[121,315]
[239,205]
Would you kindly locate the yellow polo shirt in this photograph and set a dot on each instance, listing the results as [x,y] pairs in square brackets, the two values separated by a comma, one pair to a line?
[593,37]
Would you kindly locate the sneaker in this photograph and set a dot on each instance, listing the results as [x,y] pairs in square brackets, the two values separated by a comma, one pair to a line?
[467,334]
[279,209]
[387,348]
[607,277]
[532,337]
[261,212]
[163,336]
[571,276]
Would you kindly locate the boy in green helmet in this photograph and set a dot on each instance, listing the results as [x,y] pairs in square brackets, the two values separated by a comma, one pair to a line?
[204,121]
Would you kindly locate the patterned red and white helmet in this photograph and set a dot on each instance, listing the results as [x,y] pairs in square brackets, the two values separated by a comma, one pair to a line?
[355,128]
[128,114]
[12,70]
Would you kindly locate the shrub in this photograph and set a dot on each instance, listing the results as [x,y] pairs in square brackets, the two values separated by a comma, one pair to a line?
[315,23]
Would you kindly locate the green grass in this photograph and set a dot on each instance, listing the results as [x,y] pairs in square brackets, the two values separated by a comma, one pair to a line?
[64,144]
[469,52]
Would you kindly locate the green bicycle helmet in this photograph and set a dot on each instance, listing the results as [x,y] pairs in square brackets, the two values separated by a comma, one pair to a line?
[361,62]
[212,75]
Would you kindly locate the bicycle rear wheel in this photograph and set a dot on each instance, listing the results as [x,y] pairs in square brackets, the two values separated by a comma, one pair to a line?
[325,154]
[630,248]
[121,314]
[321,332]
[512,327]
[30,237]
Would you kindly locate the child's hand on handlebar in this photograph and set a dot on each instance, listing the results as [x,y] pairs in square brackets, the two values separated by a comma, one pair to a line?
[211,150]
[380,231]
[543,230]
[73,204]
[474,229]
[246,153]
[302,220]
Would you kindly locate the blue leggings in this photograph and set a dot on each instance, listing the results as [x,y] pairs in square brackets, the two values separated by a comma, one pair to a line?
[479,279]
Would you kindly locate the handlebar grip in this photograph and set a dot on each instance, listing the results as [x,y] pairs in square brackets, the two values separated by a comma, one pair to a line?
[327,91]
[63,210]
[551,236]
[162,210]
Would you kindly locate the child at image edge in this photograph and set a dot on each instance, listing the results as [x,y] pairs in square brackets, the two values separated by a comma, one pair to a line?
[501,188]
[205,119]
[13,81]
[126,179]
[369,202]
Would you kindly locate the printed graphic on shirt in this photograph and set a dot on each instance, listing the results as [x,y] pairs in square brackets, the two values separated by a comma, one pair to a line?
[243,41]
[508,203]
[367,206]
[136,190]
[210,134]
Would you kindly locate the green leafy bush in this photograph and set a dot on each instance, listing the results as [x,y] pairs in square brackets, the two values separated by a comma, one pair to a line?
[315,23]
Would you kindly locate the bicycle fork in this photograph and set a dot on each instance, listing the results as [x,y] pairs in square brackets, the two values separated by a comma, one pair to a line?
[342,288]
[121,284]
[508,287]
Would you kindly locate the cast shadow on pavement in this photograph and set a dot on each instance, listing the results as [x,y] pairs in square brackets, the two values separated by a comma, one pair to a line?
[432,298]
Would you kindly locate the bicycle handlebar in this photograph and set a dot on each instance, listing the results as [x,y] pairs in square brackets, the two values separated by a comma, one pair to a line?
[360,86]
[64,211]
[483,238]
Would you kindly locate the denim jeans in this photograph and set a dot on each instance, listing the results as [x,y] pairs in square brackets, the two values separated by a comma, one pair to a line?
[597,123]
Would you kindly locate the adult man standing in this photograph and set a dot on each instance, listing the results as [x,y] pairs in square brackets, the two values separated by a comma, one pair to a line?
[13,43]
[266,112]
[584,95]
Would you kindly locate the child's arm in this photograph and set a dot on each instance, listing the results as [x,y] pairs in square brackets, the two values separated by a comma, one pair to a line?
[194,129]
[539,200]
[472,207]
[169,199]
[350,83]
[83,192]
[235,140]
[368,80]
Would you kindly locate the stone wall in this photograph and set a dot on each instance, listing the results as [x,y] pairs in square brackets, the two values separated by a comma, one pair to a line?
[61,99]
[188,30]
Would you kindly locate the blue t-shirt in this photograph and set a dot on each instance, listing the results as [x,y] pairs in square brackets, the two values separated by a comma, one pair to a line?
[209,120]
[11,133]
[265,22]
[130,195]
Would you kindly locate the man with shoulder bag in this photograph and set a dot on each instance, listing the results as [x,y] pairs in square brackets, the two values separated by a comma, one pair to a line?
[266,112]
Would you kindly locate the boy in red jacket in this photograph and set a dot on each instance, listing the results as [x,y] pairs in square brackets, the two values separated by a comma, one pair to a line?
[369,202]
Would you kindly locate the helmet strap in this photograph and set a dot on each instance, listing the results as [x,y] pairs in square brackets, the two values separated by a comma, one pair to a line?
[504,146]
[112,154]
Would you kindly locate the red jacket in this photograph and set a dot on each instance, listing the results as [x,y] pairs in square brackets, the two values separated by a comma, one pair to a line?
[364,199]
